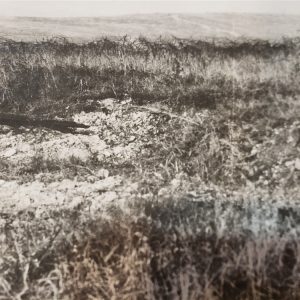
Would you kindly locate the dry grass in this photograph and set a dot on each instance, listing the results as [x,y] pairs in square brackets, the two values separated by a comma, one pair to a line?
[39,77]
[159,255]
[226,131]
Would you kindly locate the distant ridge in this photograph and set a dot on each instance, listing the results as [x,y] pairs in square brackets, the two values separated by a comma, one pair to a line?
[153,25]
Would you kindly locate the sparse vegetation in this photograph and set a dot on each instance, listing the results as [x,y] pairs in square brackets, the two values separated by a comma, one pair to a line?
[209,142]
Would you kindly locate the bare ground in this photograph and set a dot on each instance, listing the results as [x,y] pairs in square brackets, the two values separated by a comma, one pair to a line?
[110,137]
[97,169]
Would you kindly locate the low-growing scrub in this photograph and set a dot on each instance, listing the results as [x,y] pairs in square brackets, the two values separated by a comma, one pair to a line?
[165,251]
[205,74]
[184,186]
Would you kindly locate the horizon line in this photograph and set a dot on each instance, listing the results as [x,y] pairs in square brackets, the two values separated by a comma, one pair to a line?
[152,13]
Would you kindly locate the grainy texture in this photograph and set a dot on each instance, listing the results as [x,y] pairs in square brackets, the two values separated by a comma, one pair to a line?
[185,185]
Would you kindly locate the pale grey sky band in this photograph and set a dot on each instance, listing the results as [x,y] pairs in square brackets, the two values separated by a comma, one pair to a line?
[112,8]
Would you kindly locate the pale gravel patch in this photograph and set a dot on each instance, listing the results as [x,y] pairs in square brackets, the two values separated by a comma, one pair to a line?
[16,148]
[98,196]
[68,146]
[107,138]
[119,134]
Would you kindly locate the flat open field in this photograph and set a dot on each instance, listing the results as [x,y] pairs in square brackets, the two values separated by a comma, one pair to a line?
[180,182]
[155,25]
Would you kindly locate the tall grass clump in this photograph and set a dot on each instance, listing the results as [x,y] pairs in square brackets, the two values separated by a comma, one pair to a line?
[156,253]
[42,76]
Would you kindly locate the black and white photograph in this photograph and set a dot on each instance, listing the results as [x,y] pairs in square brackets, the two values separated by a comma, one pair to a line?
[149,150]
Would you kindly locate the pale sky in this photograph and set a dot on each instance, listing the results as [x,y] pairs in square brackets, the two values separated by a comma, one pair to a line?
[112,8]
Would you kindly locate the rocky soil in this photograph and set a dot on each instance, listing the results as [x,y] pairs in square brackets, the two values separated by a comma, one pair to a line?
[111,137]
[97,169]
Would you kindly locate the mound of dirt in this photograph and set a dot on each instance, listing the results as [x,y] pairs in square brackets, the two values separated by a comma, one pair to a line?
[118,136]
